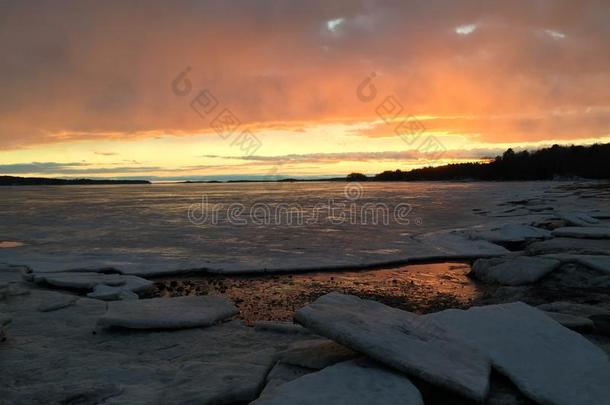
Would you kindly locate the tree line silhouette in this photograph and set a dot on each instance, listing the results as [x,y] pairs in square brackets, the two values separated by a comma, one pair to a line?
[591,162]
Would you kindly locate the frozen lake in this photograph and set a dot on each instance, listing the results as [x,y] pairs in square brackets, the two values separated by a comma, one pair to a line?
[251,226]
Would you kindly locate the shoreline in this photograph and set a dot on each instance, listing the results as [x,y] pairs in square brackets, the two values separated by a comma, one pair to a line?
[417,288]
[110,182]
[225,338]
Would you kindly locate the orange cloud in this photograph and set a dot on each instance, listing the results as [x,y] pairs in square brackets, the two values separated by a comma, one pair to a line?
[102,70]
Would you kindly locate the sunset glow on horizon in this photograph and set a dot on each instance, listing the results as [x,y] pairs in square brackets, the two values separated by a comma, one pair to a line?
[114,89]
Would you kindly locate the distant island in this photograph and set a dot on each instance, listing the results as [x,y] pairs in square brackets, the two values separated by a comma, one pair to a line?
[42,181]
[556,162]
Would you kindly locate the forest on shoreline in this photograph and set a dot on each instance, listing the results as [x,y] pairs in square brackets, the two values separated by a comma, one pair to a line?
[556,162]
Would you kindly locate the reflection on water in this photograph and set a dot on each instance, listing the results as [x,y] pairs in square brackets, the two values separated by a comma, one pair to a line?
[417,288]
[143,226]
[9,244]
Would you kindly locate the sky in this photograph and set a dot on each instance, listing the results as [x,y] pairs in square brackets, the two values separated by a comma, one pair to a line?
[217,89]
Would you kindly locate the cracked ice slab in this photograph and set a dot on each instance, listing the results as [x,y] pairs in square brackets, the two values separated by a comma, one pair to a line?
[399,339]
[349,383]
[586,232]
[600,263]
[547,362]
[458,244]
[512,233]
[570,245]
[513,271]
[102,286]
[168,313]
[578,218]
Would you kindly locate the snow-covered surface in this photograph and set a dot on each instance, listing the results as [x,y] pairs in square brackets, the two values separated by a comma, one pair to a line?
[547,362]
[399,339]
[518,270]
[168,313]
[355,382]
